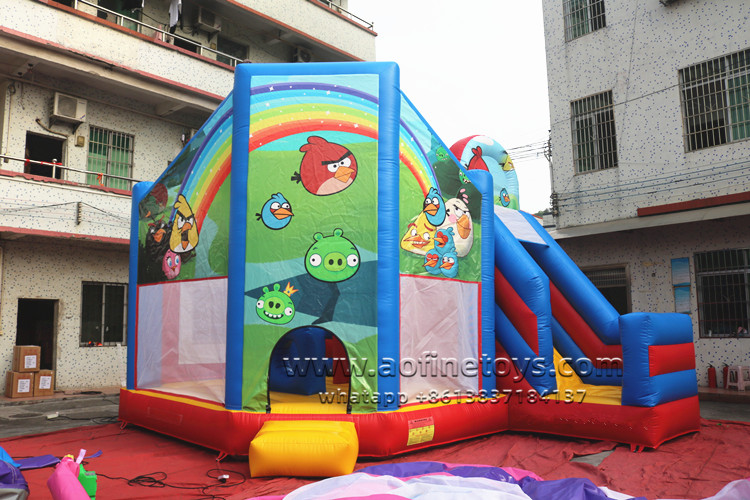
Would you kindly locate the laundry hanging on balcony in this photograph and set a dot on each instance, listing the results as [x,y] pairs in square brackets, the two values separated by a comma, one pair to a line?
[175,13]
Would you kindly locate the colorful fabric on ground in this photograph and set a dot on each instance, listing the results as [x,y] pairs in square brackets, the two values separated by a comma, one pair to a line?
[7,458]
[37,462]
[439,480]
[12,482]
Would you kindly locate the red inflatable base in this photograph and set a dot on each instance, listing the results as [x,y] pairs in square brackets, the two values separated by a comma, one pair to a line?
[386,434]
[380,434]
[634,425]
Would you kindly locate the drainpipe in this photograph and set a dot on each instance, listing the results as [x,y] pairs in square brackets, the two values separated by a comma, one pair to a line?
[4,132]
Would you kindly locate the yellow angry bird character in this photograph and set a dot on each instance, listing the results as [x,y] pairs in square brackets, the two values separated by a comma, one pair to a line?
[419,235]
[184,235]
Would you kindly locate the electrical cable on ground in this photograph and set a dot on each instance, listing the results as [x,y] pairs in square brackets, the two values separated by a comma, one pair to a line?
[225,478]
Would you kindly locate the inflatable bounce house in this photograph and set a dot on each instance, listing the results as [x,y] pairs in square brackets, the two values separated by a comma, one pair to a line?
[316,268]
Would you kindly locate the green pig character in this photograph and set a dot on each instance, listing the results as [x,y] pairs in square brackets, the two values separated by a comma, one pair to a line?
[275,306]
[332,258]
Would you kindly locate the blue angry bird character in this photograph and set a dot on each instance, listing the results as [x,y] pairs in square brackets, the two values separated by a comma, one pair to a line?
[449,264]
[432,261]
[444,240]
[276,212]
[434,207]
[504,197]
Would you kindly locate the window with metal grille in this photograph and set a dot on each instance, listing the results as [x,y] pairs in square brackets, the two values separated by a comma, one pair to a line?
[110,153]
[103,315]
[723,287]
[715,99]
[592,122]
[582,17]
[229,47]
[613,283]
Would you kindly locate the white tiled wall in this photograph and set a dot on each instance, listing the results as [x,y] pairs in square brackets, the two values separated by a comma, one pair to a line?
[638,56]
[55,270]
[648,254]
[156,142]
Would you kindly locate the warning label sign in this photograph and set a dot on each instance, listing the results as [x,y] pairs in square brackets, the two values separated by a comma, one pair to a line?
[421,430]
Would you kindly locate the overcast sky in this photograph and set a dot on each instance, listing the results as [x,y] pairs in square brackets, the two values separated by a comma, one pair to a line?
[472,67]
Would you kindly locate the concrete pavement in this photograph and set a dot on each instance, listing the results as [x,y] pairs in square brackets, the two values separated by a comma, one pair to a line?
[20,417]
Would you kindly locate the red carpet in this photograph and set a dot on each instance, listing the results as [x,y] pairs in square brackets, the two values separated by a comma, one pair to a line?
[692,466]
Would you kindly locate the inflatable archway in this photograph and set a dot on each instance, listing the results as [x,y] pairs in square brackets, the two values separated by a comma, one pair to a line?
[484,153]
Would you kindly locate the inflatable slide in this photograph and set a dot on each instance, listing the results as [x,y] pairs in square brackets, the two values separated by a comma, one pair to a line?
[317,277]
[628,378]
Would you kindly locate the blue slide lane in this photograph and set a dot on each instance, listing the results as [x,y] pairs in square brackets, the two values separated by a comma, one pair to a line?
[532,285]
[589,374]
[575,286]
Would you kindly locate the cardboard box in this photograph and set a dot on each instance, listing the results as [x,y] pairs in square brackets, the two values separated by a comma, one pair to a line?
[19,385]
[44,383]
[26,358]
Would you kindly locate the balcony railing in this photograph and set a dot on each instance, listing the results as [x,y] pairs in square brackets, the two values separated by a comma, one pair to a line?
[159,33]
[166,36]
[79,177]
[334,6]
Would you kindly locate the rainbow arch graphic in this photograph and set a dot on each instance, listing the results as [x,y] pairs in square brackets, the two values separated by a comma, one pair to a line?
[282,110]
[210,164]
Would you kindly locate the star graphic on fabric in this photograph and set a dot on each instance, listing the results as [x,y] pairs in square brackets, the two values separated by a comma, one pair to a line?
[270,88]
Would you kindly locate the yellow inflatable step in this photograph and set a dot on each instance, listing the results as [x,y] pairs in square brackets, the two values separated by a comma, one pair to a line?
[312,448]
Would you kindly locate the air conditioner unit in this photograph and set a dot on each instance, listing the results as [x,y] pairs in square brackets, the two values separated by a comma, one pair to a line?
[208,21]
[68,108]
[302,55]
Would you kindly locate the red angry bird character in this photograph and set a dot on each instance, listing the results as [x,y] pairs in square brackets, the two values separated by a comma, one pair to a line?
[326,168]
[476,161]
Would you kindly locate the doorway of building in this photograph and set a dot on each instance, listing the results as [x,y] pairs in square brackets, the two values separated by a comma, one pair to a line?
[44,148]
[36,324]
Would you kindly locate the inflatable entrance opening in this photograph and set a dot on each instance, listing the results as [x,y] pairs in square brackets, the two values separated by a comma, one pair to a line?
[309,361]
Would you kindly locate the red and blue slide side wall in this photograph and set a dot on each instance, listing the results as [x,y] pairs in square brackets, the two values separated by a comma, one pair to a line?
[544,301]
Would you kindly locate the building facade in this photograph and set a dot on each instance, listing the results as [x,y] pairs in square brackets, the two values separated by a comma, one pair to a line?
[650,121]
[96,95]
